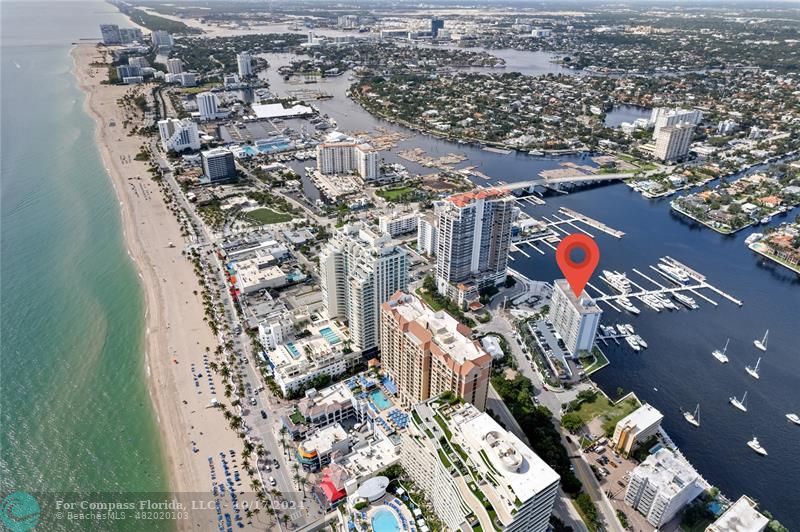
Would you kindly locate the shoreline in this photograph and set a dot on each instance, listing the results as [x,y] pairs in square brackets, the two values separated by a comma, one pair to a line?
[167,281]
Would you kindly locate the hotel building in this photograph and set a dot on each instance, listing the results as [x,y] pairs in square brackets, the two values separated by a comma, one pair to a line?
[393,224]
[474,235]
[178,135]
[174,66]
[359,270]
[475,473]
[427,234]
[574,319]
[427,353]
[207,105]
[672,142]
[218,165]
[348,158]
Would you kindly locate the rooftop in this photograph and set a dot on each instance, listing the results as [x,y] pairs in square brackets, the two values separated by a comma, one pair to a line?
[643,417]
[666,471]
[741,516]
[439,328]
[584,305]
[465,198]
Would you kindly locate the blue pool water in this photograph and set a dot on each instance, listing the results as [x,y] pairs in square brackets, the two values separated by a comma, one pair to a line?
[379,399]
[293,350]
[329,335]
[385,521]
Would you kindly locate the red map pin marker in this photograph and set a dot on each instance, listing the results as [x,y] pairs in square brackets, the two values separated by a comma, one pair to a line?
[577,273]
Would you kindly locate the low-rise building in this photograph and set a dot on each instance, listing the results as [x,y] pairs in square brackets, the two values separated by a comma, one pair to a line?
[636,428]
[257,274]
[662,486]
[394,225]
[474,472]
[741,516]
[319,447]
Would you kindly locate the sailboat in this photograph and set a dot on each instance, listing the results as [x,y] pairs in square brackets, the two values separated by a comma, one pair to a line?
[762,344]
[720,355]
[753,371]
[693,418]
[741,405]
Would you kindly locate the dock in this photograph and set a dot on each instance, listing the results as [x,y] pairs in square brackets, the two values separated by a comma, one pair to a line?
[591,222]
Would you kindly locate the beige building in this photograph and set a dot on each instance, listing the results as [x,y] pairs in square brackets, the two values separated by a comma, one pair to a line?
[741,516]
[427,353]
[636,428]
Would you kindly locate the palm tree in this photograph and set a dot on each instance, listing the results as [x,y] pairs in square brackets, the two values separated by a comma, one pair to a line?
[303,482]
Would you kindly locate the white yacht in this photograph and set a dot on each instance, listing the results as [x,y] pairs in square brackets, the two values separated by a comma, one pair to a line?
[753,444]
[628,327]
[721,355]
[740,404]
[640,341]
[762,344]
[633,343]
[753,370]
[616,280]
[621,328]
[651,302]
[685,300]
[626,304]
[693,417]
[794,418]
[673,273]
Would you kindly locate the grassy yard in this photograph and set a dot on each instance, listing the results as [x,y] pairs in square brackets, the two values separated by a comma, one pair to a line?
[427,297]
[266,216]
[393,194]
[600,361]
[602,407]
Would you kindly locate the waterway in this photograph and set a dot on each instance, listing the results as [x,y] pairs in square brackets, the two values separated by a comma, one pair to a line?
[678,362]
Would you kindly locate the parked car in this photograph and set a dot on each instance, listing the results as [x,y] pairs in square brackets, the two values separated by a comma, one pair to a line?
[263,415]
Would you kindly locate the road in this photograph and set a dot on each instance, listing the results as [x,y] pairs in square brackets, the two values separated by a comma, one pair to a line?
[264,431]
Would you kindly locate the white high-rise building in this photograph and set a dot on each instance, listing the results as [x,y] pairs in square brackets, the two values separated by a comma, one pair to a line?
[244,64]
[367,162]
[672,142]
[661,486]
[575,320]
[207,105]
[161,39]
[516,488]
[178,135]
[218,165]
[663,117]
[336,157]
[174,65]
[427,234]
[474,235]
[359,270]
[138,61]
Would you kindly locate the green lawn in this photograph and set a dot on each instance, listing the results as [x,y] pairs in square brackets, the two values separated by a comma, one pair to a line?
[393,194]
[602,407]
[600,361]
[265,216]
[427,297]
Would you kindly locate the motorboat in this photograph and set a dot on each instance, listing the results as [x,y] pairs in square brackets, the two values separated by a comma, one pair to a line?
[616,280]
[633,343]
[756,446]
[794,418]
[685,300]
[673,273]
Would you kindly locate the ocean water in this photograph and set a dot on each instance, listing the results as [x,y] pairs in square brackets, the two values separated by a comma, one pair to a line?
[76,414]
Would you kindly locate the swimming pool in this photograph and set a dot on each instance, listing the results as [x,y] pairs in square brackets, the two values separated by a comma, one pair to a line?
[385,521]
[330,336]
[379,399]
[293,350]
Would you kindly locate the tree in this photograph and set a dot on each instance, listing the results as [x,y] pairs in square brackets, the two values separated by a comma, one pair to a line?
[572,422]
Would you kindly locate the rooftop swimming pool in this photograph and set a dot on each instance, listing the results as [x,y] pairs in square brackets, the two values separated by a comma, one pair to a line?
[330,336]
[385,521]
[293,350]
[379,399]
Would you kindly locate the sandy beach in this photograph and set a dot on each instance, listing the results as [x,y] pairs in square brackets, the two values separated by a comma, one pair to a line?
[176,336]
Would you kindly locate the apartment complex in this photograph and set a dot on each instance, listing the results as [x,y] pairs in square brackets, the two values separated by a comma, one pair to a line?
[475,473]
[360,269]
[427,234]
[207,105]
[398,224]
[474,235]
[178,135]
[672,142]
[662,117]
[113,34]
[636,428]
[661,486]
[161,39]
[174,66]
[348,158]
[741,516]
[427,353]
[244,64]
[575,319]
[218,165]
